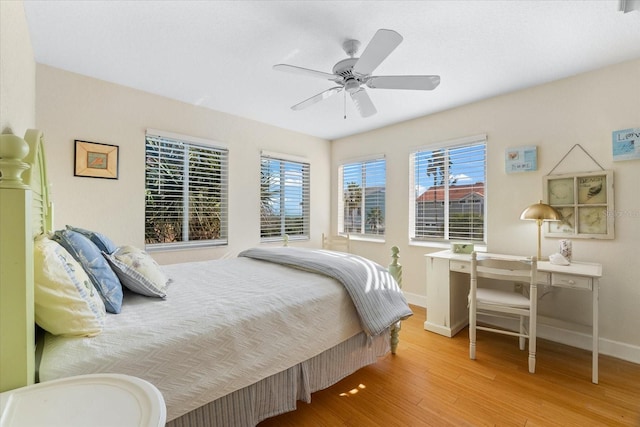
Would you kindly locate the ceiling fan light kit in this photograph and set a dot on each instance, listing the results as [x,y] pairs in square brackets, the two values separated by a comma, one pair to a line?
[352,74]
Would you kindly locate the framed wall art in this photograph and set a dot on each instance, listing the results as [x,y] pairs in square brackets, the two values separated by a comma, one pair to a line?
[521,159]
[626,144]
[585,203]
[96,160]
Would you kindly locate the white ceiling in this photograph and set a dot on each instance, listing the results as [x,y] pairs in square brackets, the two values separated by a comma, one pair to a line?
[219,54]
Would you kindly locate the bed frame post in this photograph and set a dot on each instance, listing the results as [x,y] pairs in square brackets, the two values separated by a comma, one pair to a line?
[395,268]
[17,336]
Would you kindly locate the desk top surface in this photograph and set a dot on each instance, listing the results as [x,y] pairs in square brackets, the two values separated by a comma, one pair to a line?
[590,269]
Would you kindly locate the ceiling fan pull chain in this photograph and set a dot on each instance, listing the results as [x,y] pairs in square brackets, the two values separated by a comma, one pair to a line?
[345,104]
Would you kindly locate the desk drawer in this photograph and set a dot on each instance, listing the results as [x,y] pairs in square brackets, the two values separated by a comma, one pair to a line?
[460,266]
[569,281]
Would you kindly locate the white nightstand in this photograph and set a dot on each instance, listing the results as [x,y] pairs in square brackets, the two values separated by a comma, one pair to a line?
[107,400]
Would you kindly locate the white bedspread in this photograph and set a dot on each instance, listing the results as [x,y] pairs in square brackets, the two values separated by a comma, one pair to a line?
[225,324]
[374,292]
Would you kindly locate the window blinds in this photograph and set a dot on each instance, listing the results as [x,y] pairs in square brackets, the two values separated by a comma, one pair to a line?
[186,192]
[448,194]
[284,198]
[363,194]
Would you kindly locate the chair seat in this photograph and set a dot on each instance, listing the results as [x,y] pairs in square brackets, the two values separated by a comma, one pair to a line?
[500,297]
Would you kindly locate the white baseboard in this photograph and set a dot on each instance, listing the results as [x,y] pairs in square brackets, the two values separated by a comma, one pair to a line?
[558,331]
[415,299]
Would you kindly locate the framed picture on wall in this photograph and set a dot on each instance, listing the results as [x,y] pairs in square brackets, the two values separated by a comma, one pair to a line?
[585,203]
[96,160]
[521,159]
[626,144]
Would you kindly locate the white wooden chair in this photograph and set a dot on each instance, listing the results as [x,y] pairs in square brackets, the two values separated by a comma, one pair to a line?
[340,243]
[505,302]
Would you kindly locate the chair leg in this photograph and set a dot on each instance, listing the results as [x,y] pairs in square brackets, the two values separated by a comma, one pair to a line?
[472,336]
[532,363]
[532,344]
[522,332]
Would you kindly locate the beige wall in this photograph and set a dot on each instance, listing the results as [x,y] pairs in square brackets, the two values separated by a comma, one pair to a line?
[71,106]
[17,71]
[584,109]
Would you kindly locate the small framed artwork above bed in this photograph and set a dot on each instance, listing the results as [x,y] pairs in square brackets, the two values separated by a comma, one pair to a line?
[227,342]
[96,160]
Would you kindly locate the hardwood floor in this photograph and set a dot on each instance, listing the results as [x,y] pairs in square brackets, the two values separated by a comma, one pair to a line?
[432,382]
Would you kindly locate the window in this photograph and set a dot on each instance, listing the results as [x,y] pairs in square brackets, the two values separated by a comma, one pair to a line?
[448,191]
[361,208]
[186,192]
[284,198]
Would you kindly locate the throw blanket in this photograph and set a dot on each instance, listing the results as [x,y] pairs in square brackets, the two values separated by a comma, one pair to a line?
[375,293]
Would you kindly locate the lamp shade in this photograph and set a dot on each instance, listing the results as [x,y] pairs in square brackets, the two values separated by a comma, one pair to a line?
[540,212]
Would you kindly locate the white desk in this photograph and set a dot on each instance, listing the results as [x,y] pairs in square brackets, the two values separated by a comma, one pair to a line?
[447,291]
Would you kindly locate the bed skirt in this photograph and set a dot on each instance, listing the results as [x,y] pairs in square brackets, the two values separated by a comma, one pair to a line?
[279,393]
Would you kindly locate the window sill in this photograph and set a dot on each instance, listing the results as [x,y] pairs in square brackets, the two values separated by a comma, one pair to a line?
[168,247]
[281,241]
[361,238]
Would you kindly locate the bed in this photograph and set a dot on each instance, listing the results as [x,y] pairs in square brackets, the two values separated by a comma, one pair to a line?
[234,341]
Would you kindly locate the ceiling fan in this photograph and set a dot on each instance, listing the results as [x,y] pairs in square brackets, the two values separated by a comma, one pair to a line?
[352,74]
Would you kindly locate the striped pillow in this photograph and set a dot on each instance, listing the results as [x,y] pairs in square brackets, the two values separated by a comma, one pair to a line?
[138,271]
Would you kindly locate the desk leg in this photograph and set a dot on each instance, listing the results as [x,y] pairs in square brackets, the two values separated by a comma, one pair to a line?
[594,367]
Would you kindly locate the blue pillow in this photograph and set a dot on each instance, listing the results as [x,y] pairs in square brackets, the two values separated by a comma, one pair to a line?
[100,240]
[96,267]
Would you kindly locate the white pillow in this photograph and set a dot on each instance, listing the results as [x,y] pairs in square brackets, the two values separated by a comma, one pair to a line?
[66,302]
[138,272]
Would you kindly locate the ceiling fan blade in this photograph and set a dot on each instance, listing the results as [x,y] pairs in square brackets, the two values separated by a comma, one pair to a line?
[304,71]
[404,82]
[363,103]
[380,46]
[316,98]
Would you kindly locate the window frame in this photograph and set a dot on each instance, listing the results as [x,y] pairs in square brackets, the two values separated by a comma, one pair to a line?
[361,162]
[446,238]
[215,149]
[305,198]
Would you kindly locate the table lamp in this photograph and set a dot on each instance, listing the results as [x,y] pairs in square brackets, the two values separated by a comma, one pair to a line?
[540,212]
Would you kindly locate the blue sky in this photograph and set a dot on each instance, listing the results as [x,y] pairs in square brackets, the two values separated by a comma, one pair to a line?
[467,167]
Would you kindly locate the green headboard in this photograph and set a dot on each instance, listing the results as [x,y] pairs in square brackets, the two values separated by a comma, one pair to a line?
[25,212]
